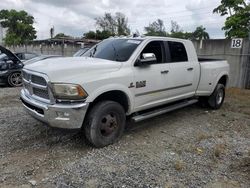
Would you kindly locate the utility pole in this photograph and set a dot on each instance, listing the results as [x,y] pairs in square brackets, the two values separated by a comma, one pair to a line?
[52,31]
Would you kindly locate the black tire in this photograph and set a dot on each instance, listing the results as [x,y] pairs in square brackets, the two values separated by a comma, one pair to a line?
[216,100]
[15,79]
[104,123]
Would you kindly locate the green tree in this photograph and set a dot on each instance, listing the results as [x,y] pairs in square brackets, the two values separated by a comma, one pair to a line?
[200,33]
[90,35]
[181,35]
[61,35]
[19,26]
[99,35]
[188,35]
[175,27]
[177,32]
[237,23]
[121,24]
[156,28]
[106,23]
[113,25]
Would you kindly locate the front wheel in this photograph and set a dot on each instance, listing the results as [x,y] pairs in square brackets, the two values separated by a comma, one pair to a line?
[216,100]
[104,123]
[15,79]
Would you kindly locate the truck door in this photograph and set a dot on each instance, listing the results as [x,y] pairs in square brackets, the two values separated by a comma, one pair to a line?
[150,79]
[183,73]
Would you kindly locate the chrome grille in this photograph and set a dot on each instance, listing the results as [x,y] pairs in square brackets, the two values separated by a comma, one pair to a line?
[38,80]
[36,86]
[41,93]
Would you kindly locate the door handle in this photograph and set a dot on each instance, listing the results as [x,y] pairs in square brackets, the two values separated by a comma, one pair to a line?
[190,69]
[164,72]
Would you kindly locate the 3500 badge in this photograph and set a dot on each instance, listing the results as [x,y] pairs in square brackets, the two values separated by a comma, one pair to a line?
[140,84]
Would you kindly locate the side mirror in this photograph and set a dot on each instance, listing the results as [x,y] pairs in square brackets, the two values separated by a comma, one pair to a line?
[146,59]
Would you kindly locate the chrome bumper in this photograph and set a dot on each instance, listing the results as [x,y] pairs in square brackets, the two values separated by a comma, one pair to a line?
[66,116]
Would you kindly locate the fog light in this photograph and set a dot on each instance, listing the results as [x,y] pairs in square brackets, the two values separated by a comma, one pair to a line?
[62,114]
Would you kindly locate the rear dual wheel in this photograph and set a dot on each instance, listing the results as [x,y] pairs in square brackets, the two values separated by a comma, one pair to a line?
[216,99]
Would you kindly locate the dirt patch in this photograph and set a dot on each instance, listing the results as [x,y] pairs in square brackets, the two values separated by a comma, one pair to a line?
[191,147]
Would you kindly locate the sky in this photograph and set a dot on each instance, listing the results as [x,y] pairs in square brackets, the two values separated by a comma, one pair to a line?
[75,17]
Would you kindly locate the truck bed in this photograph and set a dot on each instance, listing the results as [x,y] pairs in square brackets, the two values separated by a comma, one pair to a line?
[202,60]
[211,71]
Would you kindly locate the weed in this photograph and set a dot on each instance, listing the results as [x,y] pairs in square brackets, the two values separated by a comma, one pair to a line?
[219,150]
[179,165]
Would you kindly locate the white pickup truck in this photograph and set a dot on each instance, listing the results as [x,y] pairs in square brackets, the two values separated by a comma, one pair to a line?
[121,78]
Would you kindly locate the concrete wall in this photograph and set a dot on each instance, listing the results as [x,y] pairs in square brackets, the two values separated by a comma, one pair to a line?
[239,59]
[64,50]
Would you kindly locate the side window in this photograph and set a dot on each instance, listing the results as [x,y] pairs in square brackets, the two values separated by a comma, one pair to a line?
[20,56]
[29,56]
[157,48]
[177,52]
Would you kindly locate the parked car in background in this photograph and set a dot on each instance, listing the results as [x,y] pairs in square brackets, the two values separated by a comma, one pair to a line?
[11,65]
[23,56]
[81,52]
[40,58]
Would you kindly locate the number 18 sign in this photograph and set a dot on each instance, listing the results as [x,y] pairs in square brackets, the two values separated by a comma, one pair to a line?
[236,43]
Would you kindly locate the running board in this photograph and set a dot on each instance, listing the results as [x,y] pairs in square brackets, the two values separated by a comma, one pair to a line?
[164,110]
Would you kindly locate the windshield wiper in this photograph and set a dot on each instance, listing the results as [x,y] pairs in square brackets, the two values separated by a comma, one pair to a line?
[94,51]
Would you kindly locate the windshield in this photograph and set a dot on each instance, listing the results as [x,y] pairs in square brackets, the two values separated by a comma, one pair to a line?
[114,49]
[3,57]
[80,52]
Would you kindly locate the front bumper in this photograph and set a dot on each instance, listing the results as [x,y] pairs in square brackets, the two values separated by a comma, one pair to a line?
[66,116]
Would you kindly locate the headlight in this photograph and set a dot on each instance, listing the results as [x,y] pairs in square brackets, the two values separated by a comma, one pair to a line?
[3,66]
[68,91]
[3,72]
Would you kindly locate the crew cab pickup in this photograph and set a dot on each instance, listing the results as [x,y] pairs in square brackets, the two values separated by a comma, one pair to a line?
[119,79]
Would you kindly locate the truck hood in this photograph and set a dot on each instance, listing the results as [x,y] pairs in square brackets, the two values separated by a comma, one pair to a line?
[68,69]
[11,56]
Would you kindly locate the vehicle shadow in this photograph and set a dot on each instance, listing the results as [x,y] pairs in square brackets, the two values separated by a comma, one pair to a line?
[3,86]
[47,137]
[78,140]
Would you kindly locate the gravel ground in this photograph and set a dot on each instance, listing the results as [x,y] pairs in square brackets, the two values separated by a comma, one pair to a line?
[191,147]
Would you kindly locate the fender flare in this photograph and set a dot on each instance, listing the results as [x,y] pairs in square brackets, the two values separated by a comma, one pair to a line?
[113,87]
[224,73]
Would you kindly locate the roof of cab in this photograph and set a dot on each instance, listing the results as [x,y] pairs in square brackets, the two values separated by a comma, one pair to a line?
[148,38]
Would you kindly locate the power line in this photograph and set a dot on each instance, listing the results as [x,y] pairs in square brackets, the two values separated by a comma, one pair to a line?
[184,21]
[190,10]
[161,15]
[187,11]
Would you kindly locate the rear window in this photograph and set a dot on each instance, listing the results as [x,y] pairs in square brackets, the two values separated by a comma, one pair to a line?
[177,51]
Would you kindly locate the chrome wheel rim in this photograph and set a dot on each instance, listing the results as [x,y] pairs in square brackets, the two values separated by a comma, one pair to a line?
[219,96]
[16,79]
